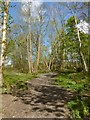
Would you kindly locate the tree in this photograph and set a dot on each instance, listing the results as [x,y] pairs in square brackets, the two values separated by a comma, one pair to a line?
[31,12]
[58,48]
[73,9]
[3,45]
[39,36]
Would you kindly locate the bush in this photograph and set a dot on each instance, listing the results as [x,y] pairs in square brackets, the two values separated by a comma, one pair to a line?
[79,107]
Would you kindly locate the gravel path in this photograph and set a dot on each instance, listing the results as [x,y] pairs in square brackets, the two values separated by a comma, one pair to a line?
[42,99]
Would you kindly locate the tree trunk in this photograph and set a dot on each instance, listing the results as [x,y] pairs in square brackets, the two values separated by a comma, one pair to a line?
[50,62]
[29,42]
[29,52]
[3,45]
[63,60]
[38,54]
[39,45]
[80,45]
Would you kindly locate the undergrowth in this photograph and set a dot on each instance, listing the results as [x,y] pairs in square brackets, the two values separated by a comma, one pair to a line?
[78,83]
[18,80]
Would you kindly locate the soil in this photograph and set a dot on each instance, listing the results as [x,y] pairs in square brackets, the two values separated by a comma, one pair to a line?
[41,99]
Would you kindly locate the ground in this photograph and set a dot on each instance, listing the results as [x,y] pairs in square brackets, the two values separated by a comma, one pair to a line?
[42,99]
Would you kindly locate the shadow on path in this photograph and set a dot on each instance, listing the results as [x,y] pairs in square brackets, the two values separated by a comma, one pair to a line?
[47,99]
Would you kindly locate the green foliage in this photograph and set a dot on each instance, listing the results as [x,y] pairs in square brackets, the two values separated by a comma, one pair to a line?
[11,20]
[70,27]
[73,81]
[72,106]
[72,43]
[16,51]
[76,82]
[15,79]
[79,107]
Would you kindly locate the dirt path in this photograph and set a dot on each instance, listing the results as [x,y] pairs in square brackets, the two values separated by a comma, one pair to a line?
[42,99]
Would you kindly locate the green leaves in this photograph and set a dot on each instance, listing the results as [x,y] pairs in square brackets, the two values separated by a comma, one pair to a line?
[73,81]
[15,79]
[79,108]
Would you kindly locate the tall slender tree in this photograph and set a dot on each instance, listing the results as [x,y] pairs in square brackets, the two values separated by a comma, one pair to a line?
[73,10]
[39,43]
[30,10]
[4,33]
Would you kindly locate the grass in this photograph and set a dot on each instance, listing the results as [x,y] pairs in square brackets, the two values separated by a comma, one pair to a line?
[79,108]
[15,79]
[72,81]
[76,82]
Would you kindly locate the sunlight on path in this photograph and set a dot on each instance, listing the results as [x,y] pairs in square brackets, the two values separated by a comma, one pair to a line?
[42,99]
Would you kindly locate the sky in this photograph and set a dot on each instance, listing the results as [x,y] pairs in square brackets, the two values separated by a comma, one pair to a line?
[15,10]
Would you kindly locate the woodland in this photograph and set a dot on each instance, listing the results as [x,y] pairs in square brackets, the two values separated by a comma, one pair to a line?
[39,38]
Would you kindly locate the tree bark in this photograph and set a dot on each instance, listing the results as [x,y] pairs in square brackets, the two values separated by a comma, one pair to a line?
[38,53]
[29,52]
[80,45]
[39,45]
[50,62]
[29,42]
[3,45]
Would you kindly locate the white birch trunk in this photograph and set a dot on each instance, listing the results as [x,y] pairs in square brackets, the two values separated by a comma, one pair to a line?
[29,42]
[29,52]
[38,54]
[80,45]
[39,46]
[3,45]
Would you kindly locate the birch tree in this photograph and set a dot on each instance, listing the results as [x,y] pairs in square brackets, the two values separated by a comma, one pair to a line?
[41,21]
[29,42]
[59,44]
[74,12]
[4,33]
[30,10]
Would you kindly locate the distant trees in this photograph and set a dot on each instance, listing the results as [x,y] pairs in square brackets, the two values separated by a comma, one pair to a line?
[32,17]
[70,48]
[47,40]
[27,12]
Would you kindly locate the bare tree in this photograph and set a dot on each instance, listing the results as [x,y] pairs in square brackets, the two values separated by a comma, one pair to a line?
[30,10]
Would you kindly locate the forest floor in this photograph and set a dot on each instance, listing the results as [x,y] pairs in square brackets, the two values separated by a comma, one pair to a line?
[42,99]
